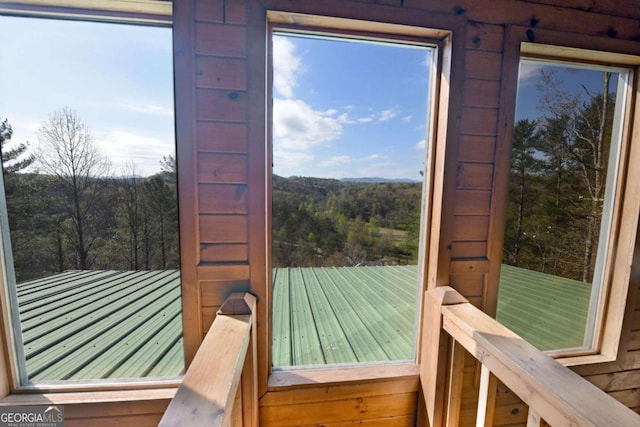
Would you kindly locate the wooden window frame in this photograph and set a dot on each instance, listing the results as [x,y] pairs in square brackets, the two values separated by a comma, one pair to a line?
[12,392]
[439,148]
[521,42]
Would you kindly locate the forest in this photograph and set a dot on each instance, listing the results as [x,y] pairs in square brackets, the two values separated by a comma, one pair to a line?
[74,214]
[327,222]
[558,179]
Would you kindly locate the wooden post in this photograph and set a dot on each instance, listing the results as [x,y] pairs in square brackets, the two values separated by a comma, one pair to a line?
[213,391]
[533,419]
[486,398]
[435,349]
[456,377]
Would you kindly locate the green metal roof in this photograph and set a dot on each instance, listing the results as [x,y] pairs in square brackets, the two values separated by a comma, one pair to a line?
[126,324]
[343,315]
[102,324]
[364,314]
[548,311]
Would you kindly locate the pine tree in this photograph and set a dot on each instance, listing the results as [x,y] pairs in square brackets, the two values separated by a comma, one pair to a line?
[10,156]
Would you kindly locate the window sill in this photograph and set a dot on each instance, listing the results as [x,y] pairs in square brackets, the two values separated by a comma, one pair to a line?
[102,396]
[303,378]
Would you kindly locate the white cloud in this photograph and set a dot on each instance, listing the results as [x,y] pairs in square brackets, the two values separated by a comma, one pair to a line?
[336,161]
[125,149]
[387,115]
[285,162]
[298,127]
[375,157]
[528,73]
[286,66]
[421,145]
[407,119]
[156,109]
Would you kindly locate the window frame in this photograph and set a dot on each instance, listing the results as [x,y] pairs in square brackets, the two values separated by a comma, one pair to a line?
[607,345]
[434,181]
[157,13]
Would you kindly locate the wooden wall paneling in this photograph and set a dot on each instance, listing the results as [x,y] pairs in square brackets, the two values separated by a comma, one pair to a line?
[224,228]
[622,8]
[299,395]
[481,93]
[471,285]
[221,105]
[616,381]
[224,252]
[477,148]
[221,73]
[259,225]
[524,13]
[468,249]
[222,137]
[223,198]
[133,413]
[479,121]
[184,75]
[472,202]
[222,168]
[223,271]
[483,65]
[471,228]
[235,11]
[485,37]
[350,410]
[502,169]
[474,176]
[221,40]
[209,11]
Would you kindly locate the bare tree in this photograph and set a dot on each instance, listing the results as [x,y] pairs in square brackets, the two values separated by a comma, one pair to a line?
[585,143]
[67,151]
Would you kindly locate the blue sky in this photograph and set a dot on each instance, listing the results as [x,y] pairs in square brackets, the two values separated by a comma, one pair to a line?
[349,109]
[117,78]
[341,109]
[572,79]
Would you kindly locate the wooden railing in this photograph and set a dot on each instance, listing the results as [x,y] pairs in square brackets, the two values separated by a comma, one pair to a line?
[219,388]
[554,393]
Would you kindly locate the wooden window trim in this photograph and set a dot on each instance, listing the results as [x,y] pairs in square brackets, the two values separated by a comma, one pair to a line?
[143,12]
[444,98]
[157,12]
[533,43]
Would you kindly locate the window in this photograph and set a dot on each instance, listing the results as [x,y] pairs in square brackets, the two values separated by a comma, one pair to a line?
[350,125]
[89,215]
[570,213]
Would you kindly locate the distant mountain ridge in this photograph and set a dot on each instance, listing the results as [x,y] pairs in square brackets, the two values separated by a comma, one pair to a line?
[375,179]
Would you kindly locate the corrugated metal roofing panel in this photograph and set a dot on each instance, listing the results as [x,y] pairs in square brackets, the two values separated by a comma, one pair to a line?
[366,314]
[115,324]
[102,324]
[548,311]
[344,314]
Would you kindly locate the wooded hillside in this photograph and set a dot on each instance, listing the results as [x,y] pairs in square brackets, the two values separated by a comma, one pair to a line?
[326,222]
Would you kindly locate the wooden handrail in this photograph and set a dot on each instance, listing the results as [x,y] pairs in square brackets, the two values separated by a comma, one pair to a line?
[220,383]
[553,392]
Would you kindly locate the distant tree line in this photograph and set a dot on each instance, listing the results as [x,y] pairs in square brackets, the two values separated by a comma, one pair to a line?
[327,222]
[558,179]
[74,214]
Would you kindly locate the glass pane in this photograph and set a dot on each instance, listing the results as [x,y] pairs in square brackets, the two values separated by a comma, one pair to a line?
[349,126]
[90,227]
[564,166]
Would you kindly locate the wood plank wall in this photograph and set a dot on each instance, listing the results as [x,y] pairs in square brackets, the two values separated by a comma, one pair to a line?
[220,79]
